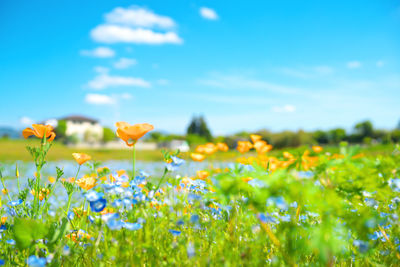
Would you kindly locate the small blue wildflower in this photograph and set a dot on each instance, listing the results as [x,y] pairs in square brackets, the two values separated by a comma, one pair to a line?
[395,184]
[15,202]
[132,226]
[194,218]
[98,205]
[2,262]
[180,222]
[35,261]
[66,250]
[361,245]
[71,215]
[115,224]
[174,164]
[174,232]
[92,196]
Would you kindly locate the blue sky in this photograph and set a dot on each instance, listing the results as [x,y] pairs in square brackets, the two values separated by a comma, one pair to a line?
[244,65]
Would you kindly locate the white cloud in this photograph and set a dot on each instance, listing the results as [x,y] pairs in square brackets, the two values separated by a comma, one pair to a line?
[106,33]
[124,63]
[26,121]
[162,82]
[208,13]
[353,64]
[101,69]
[138,17]
[324,70]
[284,109]
[101,52]
[104,80]
[98,99]
[380,64]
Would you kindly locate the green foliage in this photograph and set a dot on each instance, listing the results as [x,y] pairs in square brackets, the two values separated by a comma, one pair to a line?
[198,126]
[108,135]
[27,231]
[61,129]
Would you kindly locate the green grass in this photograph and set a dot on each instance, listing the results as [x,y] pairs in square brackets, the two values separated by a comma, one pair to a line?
[12,150]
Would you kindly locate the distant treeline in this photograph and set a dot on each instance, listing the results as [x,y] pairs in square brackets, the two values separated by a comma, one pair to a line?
[362,133]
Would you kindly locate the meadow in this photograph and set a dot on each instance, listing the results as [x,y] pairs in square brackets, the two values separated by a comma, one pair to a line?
[318,206]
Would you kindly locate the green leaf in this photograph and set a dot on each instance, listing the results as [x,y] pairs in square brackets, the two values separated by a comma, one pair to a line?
[27,231]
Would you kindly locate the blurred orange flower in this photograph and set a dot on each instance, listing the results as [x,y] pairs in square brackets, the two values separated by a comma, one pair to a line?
[132,133]
[244,146]
[255,137]
[317,149]
[210,148]
[202,174]
[197,156]
[262,147]
[81,158]
[42,193]
[39,130]
[52,179]
[222,147]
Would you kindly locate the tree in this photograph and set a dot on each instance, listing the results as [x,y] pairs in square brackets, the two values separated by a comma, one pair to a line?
[108,135]
[364,129]
[61,129]
[321,137]
[198,126]
[337,135]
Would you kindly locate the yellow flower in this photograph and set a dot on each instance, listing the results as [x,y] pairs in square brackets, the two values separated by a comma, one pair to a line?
[81,158]
[3,220]
[43,193]
[262,147]
[39,130]
[4,191]
[52,179]
[132,133]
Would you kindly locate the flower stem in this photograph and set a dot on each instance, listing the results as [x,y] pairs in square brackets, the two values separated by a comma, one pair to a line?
[134,163]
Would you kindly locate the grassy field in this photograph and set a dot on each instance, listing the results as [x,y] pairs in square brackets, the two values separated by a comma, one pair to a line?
[11,150]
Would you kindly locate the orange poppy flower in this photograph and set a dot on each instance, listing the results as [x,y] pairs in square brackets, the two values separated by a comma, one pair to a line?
[39,130]
[197,156]
[132,133]
[317,149]
[3,220]
[210,148]
[202,174]
[86,182]
[222,147]
[244,146]
[255,137]
[81,158]
[262,147]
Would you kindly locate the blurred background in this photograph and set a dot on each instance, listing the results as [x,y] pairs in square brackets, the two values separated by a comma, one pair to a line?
[296,72]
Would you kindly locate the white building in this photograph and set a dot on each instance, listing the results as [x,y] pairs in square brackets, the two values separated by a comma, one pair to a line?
[82,128]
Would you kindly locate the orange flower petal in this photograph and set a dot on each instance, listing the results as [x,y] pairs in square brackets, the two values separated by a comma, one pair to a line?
[27,132]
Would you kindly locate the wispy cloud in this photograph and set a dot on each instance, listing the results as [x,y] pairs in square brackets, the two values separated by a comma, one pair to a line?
[99,99]
[120,34]
[247,83]
[380,64]
[138,17]
[136,25]
[124,63]
[353,64]
[101,52]
[103,99]
[104,80]
[208,13]
[307,72]
[26,121]
[284,109]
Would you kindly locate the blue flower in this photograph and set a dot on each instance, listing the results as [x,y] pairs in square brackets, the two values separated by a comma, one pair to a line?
[2,262]
[361,245]
[132,226]
[174,232]
[92,196]
[71,215]
[15,202]
[36,261]
[194,218]
[98,205]
[175,163]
